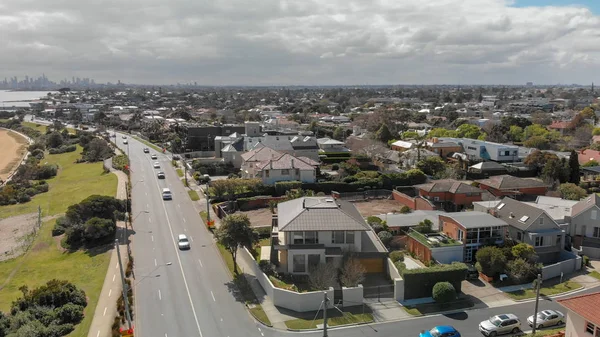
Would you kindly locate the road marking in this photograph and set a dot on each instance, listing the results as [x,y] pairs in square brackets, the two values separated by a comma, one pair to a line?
[185,230]
[259,330]
[104,314]
[155,264]
[200,263]
[187,288]
[146,193]
[221,319]
[115,275]
[178,206]
[191,238]
[213,296]
[149,219]
[98,334]
[117,265]
[184,220]
[147,206]
[159,295]
[152,238]
[109,292]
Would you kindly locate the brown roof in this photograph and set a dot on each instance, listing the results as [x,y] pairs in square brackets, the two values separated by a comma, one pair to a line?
[449,185]
[261,154]
[284,162]
[509,182]
[584,204]
[585,306]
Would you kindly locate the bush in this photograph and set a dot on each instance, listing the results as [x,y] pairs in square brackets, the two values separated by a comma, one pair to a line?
[397,243]
[492,260]
[585,261]
[377,228]
[38,153]
[521,271]
[60,226]
[405,210]
[374,220]
[396,256]
[62,149]
[443,292]
[267,267]
[120,161]
[284,186]
[263,232]
[401,266]
[335,167]
[385,237]
[70,313]
[45,172]
[420,282]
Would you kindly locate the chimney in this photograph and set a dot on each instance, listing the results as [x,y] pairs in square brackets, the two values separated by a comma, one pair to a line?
[512,215]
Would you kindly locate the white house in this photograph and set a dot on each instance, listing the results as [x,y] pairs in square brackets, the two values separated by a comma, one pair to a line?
[272,166]
[583,315]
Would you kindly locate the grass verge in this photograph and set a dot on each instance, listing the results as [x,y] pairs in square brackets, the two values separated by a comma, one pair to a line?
[334,318]
[193,195]
[73,183]
[595,274]
[545,291]
[179,172]
[157,148]
[46,260]
[431,308]
[542,333]
[42,128]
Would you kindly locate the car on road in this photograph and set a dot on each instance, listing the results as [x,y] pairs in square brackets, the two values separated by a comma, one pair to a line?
[124,137]
[166,194]
[146,150]
[160,175]
[441,331]
[156,164]
[153,156]
[125,142]
[547,318]
[182,242]
[175,157]
[500,324]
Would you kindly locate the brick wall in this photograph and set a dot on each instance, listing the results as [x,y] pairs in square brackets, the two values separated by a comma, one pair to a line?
[404,199]
[420,250]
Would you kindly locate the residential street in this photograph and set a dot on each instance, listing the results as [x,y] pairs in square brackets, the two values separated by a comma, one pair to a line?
[185,293]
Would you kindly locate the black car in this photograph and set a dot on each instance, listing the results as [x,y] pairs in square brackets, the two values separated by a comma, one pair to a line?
[472,272]
[146,150]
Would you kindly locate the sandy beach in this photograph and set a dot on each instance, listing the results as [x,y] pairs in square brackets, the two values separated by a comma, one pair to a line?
[13,148]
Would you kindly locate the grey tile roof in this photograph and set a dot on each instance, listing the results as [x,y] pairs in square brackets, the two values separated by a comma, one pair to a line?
[284,162]
[584,204]
[512,211]
[261,154]
[449,185]
[319,214]
[475,219]
[506,181]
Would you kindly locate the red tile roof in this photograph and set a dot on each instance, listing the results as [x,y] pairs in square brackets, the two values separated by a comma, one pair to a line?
[559,125]
[585,306]
[586,155]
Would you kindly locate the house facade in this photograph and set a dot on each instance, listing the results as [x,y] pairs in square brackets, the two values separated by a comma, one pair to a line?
[585,225]
[507,185]
[271,166]
[450,194]
[533,226]
[483,150]
[583,315]
[474,230]
[316,230]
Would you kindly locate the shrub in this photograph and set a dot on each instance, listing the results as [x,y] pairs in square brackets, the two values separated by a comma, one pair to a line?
[492,260]
[443,292]
[70,313]
[521,271]
[267,267]
[263,232]
[420,282]
[401,266]
[62,149]
[45,172]
[374,220]
[60,226]
[335,167]
[396,256]
[385,237]
[405,209]
[377,228]
[397,243]
[585,260]
[38,153]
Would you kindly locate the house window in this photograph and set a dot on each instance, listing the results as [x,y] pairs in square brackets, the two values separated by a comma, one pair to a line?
[459,234]
[297,172]
[267,173]
[311,238]
[507,153]
[594,214]
[298,238]
[299,263]
[539,241]
[541,221]
[337,237]
[285,172]
[589,328]
[519,236]
[349,237]
[596,232]
[313,261]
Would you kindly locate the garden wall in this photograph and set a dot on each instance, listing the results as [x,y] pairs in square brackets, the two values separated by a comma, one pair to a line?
[397,279]
[570,264]
[591,252]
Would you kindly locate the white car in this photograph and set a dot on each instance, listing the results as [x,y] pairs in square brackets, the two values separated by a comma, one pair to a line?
[124,137]
[156,164]
[125,142]
[500,324]
[547,318]
[153,156]
[182,242]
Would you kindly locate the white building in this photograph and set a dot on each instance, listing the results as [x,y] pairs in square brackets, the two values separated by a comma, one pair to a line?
[272,166]
[583,315]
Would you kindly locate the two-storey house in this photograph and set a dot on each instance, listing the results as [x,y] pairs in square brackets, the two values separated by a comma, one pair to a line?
[583,315]
[450,194]
[272,166]
[314,230]
[533,226]
[585,225]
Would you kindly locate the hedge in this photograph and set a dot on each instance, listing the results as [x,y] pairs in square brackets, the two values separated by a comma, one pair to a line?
[336,154]
[420,282]
[283,186]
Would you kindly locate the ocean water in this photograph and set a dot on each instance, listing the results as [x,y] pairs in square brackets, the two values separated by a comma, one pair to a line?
[19,98]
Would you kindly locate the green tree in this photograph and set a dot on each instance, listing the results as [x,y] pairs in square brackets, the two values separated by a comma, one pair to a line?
[491,260]
[235,231]
[338,134]
[385,237]
[54,140]
[441,132]
[97,150]
[524,251]
[383,134]
[432,165]
[596,132]
[409,135]
[521,271]
[589,163]
[468,131]
[571,191]
[98,229]
[574,173]
[588,113]
[516,133]
[537,142]
[443,292]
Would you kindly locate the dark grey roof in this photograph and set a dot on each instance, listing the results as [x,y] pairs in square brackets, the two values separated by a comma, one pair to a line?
[594,169]
[475,219]
[319,214]
[449,185]
[514,213]
[509,182]
[585,204]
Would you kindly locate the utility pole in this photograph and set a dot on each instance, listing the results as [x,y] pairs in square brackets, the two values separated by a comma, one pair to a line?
[185,172]
[325,302]
[125,298]
[207,204]
[537,300]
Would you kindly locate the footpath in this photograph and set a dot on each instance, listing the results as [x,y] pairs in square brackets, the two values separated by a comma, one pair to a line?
[106,310]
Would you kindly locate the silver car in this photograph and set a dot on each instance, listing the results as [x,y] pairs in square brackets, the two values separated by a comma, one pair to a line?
[182,242]
[547,318]
[500,324]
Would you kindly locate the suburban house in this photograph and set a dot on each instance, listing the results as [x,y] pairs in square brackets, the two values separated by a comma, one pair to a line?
[533,226]
[583,315]
[402,145]
[295,145]
[585,225]
[586,155]
[558,209]
[282,167]
[443,148]
[474,230]
[436,246]
[331,145]
[397,222]
[450,194]
[312,230]
[507,185]
[482,150]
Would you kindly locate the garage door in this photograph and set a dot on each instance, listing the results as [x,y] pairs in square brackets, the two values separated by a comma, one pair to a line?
[373,265]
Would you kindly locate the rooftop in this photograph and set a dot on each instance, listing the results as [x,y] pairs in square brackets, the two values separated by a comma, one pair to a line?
[505,181]
[319,214]
[433,240]
[448,185]
[585,306]
[475,219]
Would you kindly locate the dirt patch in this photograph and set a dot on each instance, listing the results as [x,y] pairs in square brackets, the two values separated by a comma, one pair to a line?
[259,217]
[378,206]
[16,234]
[14,148]
[40,246]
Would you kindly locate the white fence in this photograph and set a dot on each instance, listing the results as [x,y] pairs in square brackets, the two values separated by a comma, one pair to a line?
[397,279]
[591,252]
[570,264]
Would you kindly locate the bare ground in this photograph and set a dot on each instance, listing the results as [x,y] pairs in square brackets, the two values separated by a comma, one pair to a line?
[16,233]
[262,217]
[14,148]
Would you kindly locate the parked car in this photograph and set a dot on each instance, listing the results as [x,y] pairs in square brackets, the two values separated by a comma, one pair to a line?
[146,150]
[183,242]
[160,175]
[472,272]
[441,331]
[500,324]
[156,164]
[153,156]
[175,157]
[547,318]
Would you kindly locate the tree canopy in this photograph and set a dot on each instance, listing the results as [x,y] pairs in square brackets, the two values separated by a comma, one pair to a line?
[235,231]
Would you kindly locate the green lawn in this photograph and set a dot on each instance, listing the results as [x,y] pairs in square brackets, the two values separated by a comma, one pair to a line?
[179,172]
[193,195]
[42,128]
[260,315]
[46,260]
[545,291]
[595,274]
[542,333]
[73,183]
[156,147]
[334,318]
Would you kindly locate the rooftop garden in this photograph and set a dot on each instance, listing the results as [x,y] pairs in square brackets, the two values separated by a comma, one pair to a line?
[441,240]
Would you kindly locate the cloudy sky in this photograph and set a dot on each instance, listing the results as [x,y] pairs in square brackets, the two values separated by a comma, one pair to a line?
[305,42]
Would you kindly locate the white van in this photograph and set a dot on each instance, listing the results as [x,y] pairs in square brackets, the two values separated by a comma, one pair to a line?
[166,194]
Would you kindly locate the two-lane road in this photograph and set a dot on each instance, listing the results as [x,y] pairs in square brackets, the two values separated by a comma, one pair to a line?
[186,294]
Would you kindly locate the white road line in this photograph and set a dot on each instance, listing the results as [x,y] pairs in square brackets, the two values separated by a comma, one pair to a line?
[109,292]
[104,314]
[115,275]
[191,238]
[117,265]
[200,263]
[187,288]
[98,334]
[213,295]
[185,230]
[184,220]
[149,220]
[259,330]
[159,295]
[146,193]
[178,206]
[155,264]
[147,206]
[221,319]
[152,238]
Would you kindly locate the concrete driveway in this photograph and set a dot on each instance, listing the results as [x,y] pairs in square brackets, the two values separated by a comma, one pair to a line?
[484,294]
